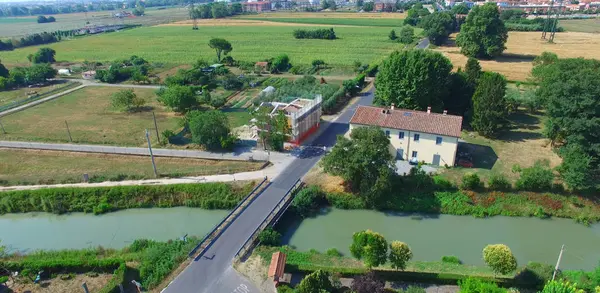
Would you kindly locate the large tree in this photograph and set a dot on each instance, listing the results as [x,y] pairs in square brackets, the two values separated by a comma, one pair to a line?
[364,162]
[499,258]
[179,98]
[210,129]
[473,70]
[460,9]
[407,34]
[221,46]
[370,247]
[413,79]
[483,34]
[490,108]
[438,26]
[127,100]
[317,281]
[570,90]
[43,55]
[274,130]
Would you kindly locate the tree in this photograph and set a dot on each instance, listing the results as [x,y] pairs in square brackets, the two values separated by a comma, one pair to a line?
[218,102]
[438,26]
[368,283]
[483,34]
[362,161]
[489,104]
[576,167]
[460,9]
[209,129]
[407,34]
[472,70]
[269,237]
[281,63]
[400,254]
[499,258]
[42,19]
[3,71]
[413,79]
[179,98]
[393,35]
[316,282]
[43,55]
[370,247]
[369,6]
[37,73]
[560,286]
[317,63]
[221,46]
[127,99]
[273,129]
[460,100]
[307,201]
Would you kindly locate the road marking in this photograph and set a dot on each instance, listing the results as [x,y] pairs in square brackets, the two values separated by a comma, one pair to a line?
[242,288]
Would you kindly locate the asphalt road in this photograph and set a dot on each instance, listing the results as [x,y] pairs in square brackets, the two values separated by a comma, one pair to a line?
[423,44]
[212,273]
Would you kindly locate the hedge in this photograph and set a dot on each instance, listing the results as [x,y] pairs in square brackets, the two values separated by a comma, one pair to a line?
[105,199]
[118,278]
[60,266]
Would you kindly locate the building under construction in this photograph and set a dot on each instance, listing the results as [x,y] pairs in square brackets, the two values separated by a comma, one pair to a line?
[303,116]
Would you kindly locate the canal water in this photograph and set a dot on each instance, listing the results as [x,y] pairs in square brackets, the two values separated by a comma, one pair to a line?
[433,236]
[32,231]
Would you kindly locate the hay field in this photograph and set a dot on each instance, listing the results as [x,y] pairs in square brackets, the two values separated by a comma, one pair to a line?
[523,47]
[581,25]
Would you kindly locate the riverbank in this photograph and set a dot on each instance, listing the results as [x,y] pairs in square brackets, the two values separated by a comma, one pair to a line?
[100,200]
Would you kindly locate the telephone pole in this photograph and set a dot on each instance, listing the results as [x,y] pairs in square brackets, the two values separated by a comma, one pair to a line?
[151,155]
[68,131]
[558,262]
[156,127]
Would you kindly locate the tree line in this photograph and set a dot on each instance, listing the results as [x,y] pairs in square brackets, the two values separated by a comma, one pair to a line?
[43,19]
[24,76]
[325,34]
[216,10]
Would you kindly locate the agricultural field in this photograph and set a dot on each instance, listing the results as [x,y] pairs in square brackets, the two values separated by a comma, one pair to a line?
[523,47]
[91,119]
[33,167]
[19,26]
[329,15]
[251,41]
[383,22]
[581,25]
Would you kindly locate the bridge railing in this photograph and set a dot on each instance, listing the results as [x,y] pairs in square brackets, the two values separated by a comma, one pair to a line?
[207,241]
[274,216]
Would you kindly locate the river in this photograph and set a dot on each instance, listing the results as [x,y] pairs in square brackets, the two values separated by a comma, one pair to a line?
[433,236]
[32,231]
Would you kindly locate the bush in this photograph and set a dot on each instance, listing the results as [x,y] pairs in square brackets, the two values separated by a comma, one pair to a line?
[539,177]
[326,34]
[471,181]
[269,237]
[451,259]
[160,258]
[473,285]
[308,200]
[535,275]
[499,182]
[333,252]
[118,278]
[345,201]
[284,289]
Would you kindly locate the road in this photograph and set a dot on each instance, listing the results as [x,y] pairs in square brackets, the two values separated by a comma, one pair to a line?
[213,272]
[423,43]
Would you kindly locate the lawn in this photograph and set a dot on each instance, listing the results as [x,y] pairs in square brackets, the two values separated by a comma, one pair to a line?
[7,97]
[91,119]
[33,167]
[178,43]
[581,25]
[523,47]
[384,22]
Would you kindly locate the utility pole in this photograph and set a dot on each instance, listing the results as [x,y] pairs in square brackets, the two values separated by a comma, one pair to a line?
[555,22]
[151,155]
[558,262]
[68,131]
[547,24]
[156,127]
[2,126]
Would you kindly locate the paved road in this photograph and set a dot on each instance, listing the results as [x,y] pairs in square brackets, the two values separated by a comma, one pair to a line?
[213,273]
[423,43]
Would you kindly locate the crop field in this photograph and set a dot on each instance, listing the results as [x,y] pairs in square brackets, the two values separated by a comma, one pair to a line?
[364,15]
[18,26]
[91,119]
[180,44]
[384,22]
[581,25]
[32,166]
[523,47]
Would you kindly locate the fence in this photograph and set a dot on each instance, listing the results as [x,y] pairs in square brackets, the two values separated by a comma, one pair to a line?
[217,230]
[38,96]
[272,218]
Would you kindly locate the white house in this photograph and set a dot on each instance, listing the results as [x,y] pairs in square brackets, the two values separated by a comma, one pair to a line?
[429,137]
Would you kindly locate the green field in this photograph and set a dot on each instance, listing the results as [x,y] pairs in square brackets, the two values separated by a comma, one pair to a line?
[91,119]
[581,25]
[181,44]
[384,22]
[49,167]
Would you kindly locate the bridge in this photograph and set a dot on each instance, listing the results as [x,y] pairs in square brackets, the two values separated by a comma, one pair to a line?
[211,270]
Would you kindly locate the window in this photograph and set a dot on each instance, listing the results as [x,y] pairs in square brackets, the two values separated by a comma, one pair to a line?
[416,137]
[414,154]
[438,140]
[401,135]
[387,133]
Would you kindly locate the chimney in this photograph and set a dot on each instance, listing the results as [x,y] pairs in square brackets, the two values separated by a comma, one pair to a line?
[393,106]
[445,112]
[428,110]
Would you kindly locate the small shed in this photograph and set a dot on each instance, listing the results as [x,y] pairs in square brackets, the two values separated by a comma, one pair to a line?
[64,71]
[89,74]
[268,91]
[277,267]
[262,66]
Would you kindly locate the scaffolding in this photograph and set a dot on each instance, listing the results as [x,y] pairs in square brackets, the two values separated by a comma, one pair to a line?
[306,120]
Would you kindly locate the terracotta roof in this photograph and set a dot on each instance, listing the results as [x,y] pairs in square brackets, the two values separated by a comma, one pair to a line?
[449,125]
[277,265]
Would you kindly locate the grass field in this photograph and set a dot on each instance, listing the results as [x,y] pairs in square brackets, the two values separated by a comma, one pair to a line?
[384,22]
[364,15]
[7,97]
[31,166]
[18,26]
[523,47]
[581,25]
[91,119]
[251,42]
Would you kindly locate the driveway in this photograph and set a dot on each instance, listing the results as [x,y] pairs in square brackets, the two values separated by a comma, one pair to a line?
[403,167]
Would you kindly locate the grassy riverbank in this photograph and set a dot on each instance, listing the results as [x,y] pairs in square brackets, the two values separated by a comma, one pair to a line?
[105,199]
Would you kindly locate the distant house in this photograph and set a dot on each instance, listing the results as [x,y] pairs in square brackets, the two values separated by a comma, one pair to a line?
[262,66]
[423,136]
[257,6]
[89,74]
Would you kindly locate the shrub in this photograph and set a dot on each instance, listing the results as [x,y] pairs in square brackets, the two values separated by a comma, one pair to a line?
[308,200]
[499,258]
[118,278]
[451,259]
[345,201]
[499,182]
[284,289]
[535,274]
[539,177]
[400,254]
[471,181]
[160,258]
[473,285]
[269,237]
[3,279]
[333,252]
[326,34]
